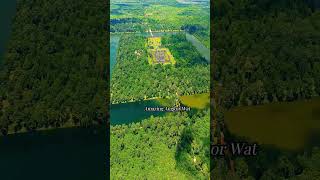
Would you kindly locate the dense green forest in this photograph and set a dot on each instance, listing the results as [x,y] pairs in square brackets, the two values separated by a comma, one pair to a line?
[266,55]
[55,66]
[134,79]
[175,146]
[164,15]
[265,51]
[301,167]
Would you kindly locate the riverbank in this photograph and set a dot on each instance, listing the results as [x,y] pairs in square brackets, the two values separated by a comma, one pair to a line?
[185,98]
[67,125]
[155,31]
[128,113]
[24,130]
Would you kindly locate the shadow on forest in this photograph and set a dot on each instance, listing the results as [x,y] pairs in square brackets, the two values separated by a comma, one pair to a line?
[183,150]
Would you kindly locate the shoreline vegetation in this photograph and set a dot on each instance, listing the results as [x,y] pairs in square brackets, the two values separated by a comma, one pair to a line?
[178,140]
[154,31]
[53,69]
[69,124]
[200,100]
[266,54]
[43,129]
[22,131]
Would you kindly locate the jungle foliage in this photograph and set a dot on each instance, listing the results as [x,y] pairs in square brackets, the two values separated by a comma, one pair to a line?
[133,79]
[266,51]
[175,146]
[55,66]
[164,15]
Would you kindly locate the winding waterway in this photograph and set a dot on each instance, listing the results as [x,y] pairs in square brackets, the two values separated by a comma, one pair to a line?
[7,11]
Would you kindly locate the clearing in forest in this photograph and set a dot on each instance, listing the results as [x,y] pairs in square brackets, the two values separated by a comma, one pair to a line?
[158,54]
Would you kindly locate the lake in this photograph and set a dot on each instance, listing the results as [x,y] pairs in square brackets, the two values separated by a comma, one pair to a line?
[127,113]
[70,153]
[133,111]
[7,12]
[292,126]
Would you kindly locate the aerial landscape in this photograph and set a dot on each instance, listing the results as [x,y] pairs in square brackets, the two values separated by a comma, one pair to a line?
[159,89]
[55,79]
[267,88]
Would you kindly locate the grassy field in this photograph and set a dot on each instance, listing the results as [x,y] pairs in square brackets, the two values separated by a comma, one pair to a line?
[154,45]
[199,101]
[284,125]
[154,42]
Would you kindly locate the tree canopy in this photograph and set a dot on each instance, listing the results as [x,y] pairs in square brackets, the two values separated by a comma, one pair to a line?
[55,66]
[174,146]
[265,51]
[134,79]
